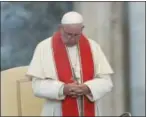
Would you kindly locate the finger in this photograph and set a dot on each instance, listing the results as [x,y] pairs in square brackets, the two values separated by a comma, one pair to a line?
[76,94]
[72,93]
[76,82]
[70,90]
[77,90]
[73,84]
[79,94]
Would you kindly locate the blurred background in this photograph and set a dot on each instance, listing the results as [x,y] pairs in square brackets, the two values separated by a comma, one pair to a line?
[119,28]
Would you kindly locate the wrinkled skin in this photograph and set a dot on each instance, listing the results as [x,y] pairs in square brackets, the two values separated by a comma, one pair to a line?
[75,89]
[71,33]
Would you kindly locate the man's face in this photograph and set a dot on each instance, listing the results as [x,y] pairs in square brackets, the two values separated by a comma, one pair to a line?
[71,33]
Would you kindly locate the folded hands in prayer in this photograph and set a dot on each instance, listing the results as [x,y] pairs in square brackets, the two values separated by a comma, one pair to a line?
[75,90]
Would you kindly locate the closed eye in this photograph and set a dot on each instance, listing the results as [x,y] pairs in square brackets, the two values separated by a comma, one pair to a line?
[70,34]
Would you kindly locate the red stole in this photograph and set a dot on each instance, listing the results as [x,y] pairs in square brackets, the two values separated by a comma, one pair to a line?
[64,72]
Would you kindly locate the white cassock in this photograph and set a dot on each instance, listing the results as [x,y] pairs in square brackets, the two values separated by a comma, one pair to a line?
[45,82]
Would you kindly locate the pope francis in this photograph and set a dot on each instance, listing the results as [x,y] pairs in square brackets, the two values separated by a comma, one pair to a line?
[70,71]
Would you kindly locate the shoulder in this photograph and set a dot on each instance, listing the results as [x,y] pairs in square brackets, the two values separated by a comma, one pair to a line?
[45,43]
[95,47]
[93,43]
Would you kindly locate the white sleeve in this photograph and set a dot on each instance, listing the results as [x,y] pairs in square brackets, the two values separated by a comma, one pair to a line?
[35,68]
[102,83]
[48,88]
[99,87]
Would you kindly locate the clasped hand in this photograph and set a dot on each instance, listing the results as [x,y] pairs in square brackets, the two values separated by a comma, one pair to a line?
[75,89]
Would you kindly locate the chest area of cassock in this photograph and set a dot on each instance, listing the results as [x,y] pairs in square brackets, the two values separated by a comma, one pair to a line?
[48,62]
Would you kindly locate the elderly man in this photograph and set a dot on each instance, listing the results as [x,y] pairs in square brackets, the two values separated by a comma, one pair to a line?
[70,71]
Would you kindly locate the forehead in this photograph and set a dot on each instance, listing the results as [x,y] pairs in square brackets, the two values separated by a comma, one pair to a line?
[73,27]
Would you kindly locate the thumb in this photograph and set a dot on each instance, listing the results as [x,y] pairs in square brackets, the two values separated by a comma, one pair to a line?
[76,82]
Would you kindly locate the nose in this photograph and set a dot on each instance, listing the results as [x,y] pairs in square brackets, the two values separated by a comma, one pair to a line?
[71,36]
